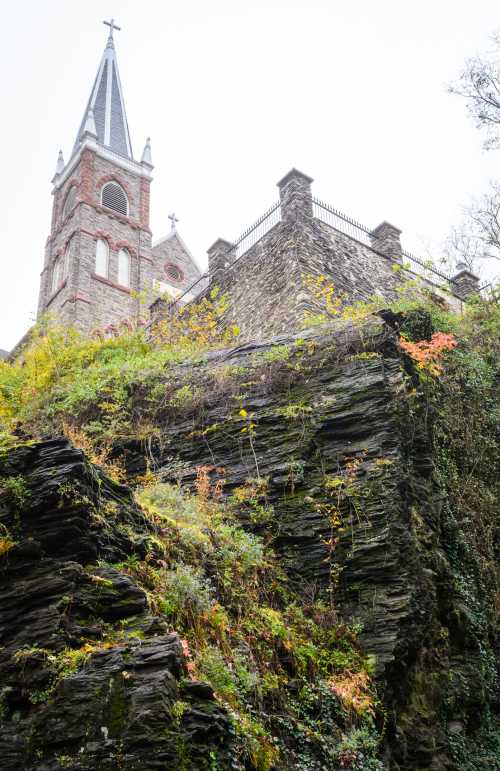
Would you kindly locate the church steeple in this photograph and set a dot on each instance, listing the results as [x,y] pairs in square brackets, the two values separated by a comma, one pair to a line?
[98,257]
[107,104]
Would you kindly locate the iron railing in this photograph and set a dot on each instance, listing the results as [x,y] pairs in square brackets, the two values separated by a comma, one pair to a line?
[255,232]
[349,227]
[339,221]
[424,268]
[332,217]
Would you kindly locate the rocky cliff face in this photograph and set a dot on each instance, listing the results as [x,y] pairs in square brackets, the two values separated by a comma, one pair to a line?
[331,400]
[117,711]
[331,420]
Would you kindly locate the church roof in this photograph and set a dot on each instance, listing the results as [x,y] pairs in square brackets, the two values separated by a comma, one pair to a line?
[3,354]
[175,235]
[106,102]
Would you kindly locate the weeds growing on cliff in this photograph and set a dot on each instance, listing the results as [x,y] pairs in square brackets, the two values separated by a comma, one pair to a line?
[411,297]
[13,491]
[99,392]
[290,675]
[270,660]
[58,666]
[98,388]
[6,540]
[453,399]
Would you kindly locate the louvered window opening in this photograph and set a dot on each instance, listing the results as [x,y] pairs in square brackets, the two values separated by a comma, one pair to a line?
[114,198]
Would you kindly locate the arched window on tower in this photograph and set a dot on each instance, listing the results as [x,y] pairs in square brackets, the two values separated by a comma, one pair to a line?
[68,254]
[124,267]
[113,197]
[56,275]
[101,257]
[69,202]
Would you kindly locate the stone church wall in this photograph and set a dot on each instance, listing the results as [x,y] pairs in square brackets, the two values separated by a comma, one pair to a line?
[83,298]
[358,271]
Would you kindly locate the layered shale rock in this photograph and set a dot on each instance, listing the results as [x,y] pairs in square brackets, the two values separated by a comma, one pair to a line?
[318,402]
[329,419]
[116,712]
[342,407]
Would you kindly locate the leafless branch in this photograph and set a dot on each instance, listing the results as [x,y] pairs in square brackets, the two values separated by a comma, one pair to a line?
[479,84]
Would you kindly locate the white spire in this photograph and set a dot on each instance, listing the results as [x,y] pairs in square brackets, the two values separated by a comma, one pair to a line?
[60,163]
[146,153]
[106,101]
[59,167]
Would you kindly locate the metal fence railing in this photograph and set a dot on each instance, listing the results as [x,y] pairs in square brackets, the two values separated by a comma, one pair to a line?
[255,232]
[344,224]
[341,222]
[424,268]
[330,216]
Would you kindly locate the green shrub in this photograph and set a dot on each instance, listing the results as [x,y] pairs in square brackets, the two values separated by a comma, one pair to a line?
[187,591]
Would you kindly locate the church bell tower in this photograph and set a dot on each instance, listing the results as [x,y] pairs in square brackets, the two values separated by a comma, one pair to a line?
[98,254]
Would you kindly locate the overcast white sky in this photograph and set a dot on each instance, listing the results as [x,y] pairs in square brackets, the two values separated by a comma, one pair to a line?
[234,93]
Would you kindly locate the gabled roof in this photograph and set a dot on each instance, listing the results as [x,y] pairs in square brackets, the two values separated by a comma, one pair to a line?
[174,234]
[106,102]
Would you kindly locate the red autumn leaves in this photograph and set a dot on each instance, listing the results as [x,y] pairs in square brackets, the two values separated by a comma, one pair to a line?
[427,353]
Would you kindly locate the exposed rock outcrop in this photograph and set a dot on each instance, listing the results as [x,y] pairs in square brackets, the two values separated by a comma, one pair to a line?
[326,417]
[317,402]
[117,712]
[345,405]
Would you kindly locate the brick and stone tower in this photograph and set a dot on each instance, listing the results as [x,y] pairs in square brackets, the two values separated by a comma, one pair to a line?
[98,254]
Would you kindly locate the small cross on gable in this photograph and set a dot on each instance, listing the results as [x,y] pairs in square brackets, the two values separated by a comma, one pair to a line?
[173,219]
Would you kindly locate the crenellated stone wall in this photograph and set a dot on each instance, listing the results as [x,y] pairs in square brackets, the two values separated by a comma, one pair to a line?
[266,285]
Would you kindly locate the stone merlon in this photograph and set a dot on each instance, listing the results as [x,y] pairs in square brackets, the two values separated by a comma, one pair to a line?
[295,196]
[465,283]
[219,257]
[385,239]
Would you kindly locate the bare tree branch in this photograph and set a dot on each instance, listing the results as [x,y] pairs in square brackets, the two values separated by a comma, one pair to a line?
[476,238]
[479,84]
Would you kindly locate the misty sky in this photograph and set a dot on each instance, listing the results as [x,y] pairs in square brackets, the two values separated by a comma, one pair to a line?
[233,94]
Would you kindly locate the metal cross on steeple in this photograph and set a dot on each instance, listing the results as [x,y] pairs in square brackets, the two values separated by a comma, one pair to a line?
[112,26]
[173,219]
